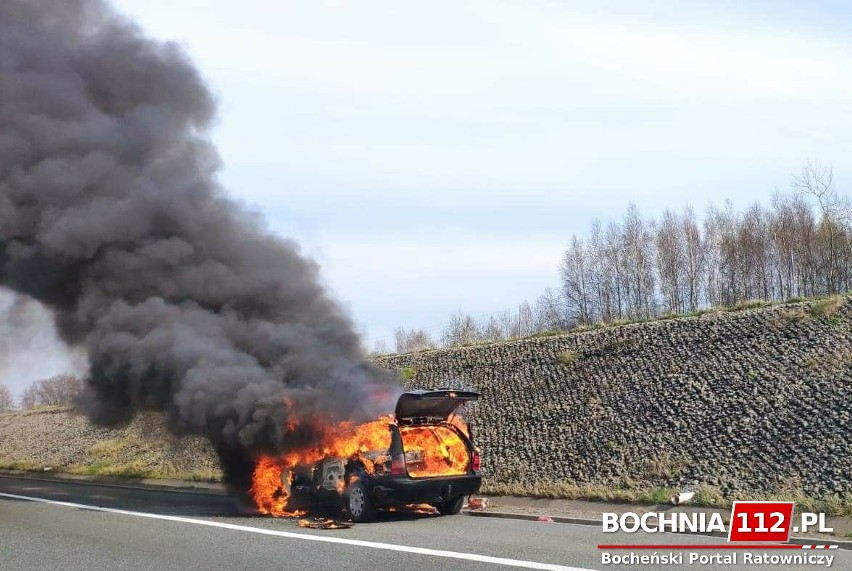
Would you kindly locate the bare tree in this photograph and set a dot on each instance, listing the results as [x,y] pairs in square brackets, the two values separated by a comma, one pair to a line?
[411,340]
[506,320]
[7,403]
[575,286]
[461,330]
[400,338]
[695,256]
[712,257]
[639,247]
[615,260]
[751,254]
[793,246]
[817,182]
[380,347]
[495,329]
[550,312]
[782,246]
[806,248]
[419,340]
[730,281]
[671,261]
[55,391]
[28,398]
[602,276]
[636,267]
[526,319]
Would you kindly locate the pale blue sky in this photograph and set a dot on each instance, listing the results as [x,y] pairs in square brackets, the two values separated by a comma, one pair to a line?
[438,155]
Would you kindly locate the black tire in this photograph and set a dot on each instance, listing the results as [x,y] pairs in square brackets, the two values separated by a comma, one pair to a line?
[357,501]
[451,507]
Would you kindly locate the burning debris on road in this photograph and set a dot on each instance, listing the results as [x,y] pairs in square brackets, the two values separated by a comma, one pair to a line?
[324,523]
[477,504]
[111,215]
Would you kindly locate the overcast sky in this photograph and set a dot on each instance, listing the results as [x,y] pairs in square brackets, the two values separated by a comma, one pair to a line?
[439,155]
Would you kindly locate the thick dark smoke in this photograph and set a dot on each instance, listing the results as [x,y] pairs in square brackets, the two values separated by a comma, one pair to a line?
[110,214]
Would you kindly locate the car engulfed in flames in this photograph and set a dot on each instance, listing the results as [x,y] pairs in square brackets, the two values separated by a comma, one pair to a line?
[422,455]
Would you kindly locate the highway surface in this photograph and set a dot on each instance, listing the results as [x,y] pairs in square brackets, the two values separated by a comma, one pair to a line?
[53,524]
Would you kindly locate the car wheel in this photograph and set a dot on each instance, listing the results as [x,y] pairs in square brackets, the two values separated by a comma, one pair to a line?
[357,501]
[451,507]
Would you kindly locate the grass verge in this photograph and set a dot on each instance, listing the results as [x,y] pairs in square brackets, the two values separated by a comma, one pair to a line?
[138,469]
[706,496]
[23,465]
[134,469]
[826,307]
[589,492]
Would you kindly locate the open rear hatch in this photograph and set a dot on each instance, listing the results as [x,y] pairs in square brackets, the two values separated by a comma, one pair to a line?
[431,405]
[431,447]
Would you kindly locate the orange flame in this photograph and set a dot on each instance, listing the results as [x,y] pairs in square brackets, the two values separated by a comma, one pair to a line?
[340,441]
[432,450]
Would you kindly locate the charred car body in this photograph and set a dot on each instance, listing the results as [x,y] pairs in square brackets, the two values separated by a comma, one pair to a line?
[430,459]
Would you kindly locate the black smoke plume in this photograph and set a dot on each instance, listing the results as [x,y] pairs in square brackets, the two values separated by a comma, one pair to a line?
[111,215]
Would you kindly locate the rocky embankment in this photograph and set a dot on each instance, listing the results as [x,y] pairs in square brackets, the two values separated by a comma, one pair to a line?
[57,439]
[752,402]
[746,402]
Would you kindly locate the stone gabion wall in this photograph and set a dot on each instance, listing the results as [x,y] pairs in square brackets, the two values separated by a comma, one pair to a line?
[750,401]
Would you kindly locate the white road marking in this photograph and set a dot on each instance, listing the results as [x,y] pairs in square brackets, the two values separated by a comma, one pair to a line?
[322,539]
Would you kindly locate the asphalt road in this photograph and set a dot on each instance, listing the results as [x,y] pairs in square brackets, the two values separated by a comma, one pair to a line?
[110,527]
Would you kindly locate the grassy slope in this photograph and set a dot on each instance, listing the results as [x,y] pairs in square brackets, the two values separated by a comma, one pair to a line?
[58,439]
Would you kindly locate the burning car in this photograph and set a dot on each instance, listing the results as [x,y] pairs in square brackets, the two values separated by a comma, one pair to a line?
[423,454]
